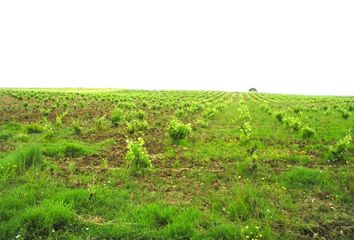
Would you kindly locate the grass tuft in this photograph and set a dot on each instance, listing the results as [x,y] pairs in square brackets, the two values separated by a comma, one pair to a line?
[307,178]
[21,159]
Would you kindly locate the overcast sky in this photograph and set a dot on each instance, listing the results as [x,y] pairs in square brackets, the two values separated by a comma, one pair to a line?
[303,47]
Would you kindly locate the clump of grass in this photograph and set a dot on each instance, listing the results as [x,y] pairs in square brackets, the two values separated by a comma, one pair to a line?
[246,168]
[336,152]
[78,199]
[158,215]
[245,202]
[34,128]
[137,156]
[69,149]
[255,230]
[21,159]
[46,219]
[303,177]
[8,130]
[74,150]
[184,224]
[178,130]
[5,135]
[223,231]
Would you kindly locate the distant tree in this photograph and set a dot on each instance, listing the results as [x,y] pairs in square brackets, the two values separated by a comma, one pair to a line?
[252,90]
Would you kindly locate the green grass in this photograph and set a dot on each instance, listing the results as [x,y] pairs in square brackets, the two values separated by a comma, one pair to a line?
[237,173]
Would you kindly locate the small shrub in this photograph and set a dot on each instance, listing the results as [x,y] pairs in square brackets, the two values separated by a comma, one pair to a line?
[194,108]
[117,117]
[279,116]
[137,157]
[178,130]
[135,126]
[244,113]
[100,123]
[293,123]
[49,132]
[25,105]
[209,113]
[345,114]
[297,110]
[307,132]
[127,105]
[201,123]
[59,118]
[72,167]
[141,114]
[340,148]
[76,127]
[179,113]
[220,107]
[266,108]
[246,131]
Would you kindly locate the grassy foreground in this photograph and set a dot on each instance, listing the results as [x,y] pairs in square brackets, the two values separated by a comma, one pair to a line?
[123,164]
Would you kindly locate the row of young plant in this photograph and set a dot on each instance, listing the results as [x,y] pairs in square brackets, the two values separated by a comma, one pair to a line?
[135,121]
[248,166]
[137,157]
[121,98]
[342,107]
[87,106]
[336,152]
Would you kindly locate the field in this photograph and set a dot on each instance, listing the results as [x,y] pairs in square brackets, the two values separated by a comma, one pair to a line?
[129,164]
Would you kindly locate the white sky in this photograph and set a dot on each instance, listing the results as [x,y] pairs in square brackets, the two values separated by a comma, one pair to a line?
[303,46]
